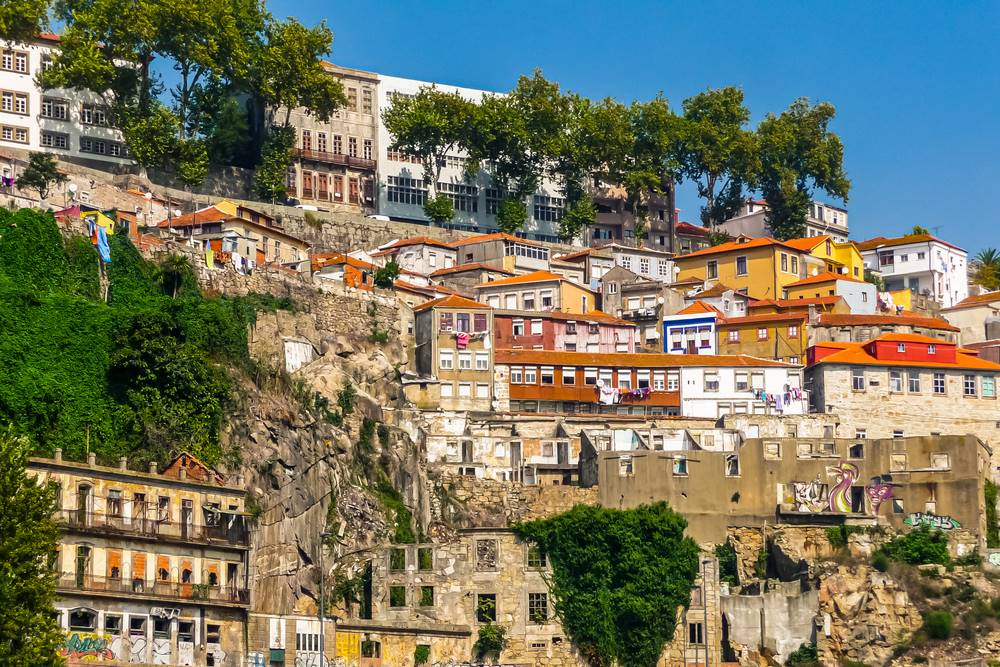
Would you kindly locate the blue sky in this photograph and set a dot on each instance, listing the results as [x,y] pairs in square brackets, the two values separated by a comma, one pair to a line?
[916,84]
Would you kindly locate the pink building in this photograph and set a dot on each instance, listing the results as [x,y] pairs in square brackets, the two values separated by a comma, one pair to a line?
[563,332]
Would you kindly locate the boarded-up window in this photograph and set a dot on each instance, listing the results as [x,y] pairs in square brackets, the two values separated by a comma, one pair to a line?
[114,558]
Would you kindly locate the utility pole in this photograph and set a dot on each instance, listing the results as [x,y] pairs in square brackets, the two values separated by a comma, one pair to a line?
[322,599]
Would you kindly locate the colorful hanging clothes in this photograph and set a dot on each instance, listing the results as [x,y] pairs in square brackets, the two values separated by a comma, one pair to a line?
[103,249]
[461,340]
[608,395]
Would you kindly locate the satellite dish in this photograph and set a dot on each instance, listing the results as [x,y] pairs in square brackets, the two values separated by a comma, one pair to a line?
[177,213]
[72,187]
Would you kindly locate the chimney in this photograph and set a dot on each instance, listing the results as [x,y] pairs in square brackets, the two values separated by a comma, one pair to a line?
[92,459]
[152,468]
[57,455]
[123,464]
[182,474]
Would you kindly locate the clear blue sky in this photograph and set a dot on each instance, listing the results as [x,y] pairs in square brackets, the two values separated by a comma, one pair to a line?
[916,84]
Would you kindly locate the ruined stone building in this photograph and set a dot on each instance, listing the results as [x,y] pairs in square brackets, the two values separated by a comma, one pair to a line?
[151,566]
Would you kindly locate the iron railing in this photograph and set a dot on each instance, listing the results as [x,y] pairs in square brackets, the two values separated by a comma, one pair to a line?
[159,589]
[230,529]
[336,158]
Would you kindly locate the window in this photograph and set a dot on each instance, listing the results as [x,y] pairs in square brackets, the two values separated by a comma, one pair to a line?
[547,302]
[55,140]
[659,383]
[528,301]
[83,619]
[352,99]
[548,209]
[15,134]
[784,262]
[486,607]
[465,361]
[712,269]
[680,466]
[426,596]
[465,390]
[673,381]
[644,265]
[397,560]
[772,451]
[161,627]
[624,379]
[901,347]
[12,102]
[482,361]
[939,383]
[54,108]
[446,359]
[91,114]
[988,385]
[15,61]
[793,331]
[761,333]
[112,624]
[479,322]
[530,375]
[940,461]
[921,255]
[538,608]
[401,189]
[590,376]
[856,451]
[741,265]
[366,100]
[732,465]
[711,381]
[137,626]
[734,336]
[895,380]
[516,375]
[858,379]
[898,433]
[969,385]
[397,596]
[569,375]
[695,634]
[425,559]
[185,631]
[536,557]
[115,502]
[795,264]
[517,327]
[932,349]
[446,322]
[547,375]
[742,381]
[447,390]
[913,382]
[482,390]
[536,327]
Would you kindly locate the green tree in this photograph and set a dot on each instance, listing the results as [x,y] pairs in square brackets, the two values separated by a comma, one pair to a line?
[511,215]
[440,209]
[276,158]
[29,632]
[152,136]
[578,216]
[717,152]
[799,154]
[385,276]
[428,126]
[918,229]
[192,161]
[655,167]
[22,19]
[986,268]
[41,174]
[618,578]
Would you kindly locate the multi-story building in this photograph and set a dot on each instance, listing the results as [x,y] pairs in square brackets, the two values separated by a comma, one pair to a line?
[760,267]
[247,237]
[920,263]
[454,355]
[616,223]
[647,263]
[594,262]
[972,314]
[915,381]
[74,125]
[849,327]
[335,160]
[692,330]
[828,255]
[690,238]
[403,191]
[860,296]
[563,332]
[420,254]
[152,568]
[728,301]
[899,482]
[502,251]
[645,384]
[821,220]
[775,335]
[540,291]
[642,301]
[463,278]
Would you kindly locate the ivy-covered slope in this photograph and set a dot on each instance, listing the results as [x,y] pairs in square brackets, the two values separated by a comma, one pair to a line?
[143,375]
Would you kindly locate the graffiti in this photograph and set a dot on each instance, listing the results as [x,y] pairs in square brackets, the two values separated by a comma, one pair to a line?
[310,660]
[255,660]
[844,474]
[933,520]
[994,558]
[348,645]
[137,650]
[215,650]
[809,496]
[161,651]
[165,612]
[87,646]
[185,653]
[879,491]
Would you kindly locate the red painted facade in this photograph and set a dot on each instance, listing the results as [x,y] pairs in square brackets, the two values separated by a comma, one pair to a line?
[545,331]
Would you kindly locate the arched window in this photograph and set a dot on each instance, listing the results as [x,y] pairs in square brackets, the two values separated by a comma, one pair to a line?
[83,619]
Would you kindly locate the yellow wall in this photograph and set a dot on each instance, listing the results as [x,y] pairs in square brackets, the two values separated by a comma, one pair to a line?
[813,290]
[779,344]
[846,255]
[571,298]
[764,278]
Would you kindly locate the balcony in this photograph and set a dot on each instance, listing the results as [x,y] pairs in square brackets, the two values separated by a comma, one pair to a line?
[140,588]
[640,314]
[229,530]
[335,158]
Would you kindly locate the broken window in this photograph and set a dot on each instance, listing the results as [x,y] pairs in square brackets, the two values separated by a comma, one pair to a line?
[680,466]
[185,631]
[425,559]
[397,596]
[538,607]
[486,607]
[536,557]
[137,626]
[83,619]
[732,465]
[161,627]
[625,466]
[115,502]
[426,596]
[486,555]
[212,634]
[397,560]
[112,624]
[857,451]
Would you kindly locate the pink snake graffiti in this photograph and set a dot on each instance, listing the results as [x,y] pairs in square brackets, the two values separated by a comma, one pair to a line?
[845,475]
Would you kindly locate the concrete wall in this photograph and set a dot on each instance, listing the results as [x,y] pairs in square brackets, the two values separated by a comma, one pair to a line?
[780,619]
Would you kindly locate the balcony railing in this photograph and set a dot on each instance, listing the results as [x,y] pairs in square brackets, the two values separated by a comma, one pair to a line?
[336,158]
[230,529]
[640,314]
[158,589]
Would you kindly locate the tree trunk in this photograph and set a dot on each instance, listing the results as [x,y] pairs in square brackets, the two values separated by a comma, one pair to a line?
[671,191]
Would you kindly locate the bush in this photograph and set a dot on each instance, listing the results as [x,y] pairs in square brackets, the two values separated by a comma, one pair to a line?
[726,554]
[440,209]
[421,654]
[939,624]
[804,655]
[920,546]
[838,536]
[386,275]
[992,525]
[880,561]
[492,640]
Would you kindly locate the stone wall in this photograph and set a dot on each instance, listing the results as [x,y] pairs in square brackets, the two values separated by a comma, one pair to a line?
[487,502]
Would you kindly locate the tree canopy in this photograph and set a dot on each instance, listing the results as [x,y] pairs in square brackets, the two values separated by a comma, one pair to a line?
[41,174]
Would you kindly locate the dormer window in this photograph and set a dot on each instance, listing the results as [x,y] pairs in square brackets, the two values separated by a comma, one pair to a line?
[901,347]
[932,349]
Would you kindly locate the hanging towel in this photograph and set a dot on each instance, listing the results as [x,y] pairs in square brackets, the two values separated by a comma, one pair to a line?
[210,258]
[607,395]
[461,340]
[238,262]
[103,249]
[777,403]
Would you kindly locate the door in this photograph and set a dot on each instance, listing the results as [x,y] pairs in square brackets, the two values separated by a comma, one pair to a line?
[692,347]
[187,519]
[232,581]
[515,461]
[562,453]
[82,565]
[82,503]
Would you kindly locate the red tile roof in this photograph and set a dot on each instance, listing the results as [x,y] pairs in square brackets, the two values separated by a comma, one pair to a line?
[857,354]
[451,301]
[688,228]
[482,238]
[715,290]
[202,216]
[471,266]
[636,359]
[806,243]
[322,260]
[421,289]
[534,277]
[416,240]
[884,242]
[698,308]
[976,300]
[827,277]
[849,319]
[736,246]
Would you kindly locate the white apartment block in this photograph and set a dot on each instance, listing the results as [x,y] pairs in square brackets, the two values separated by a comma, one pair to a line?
[821,219]
[74,125]
[920,263]
[402,191]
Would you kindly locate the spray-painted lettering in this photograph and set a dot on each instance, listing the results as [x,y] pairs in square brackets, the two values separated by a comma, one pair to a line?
[943,522]
[87,646]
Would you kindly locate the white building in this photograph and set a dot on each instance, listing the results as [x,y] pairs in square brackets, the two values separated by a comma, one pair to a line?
[821,219]
[748,386]
[646,262]
[71,124]
[921,263]
[402,191]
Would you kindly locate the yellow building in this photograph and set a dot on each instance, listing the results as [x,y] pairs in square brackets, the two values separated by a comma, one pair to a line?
[828,256]
[539,291]
[760,267]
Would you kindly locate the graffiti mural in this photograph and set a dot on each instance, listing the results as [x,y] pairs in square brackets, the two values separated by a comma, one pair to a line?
[943,522]
[844,474]
[185,654]
[879,491]
[161,652]
[87,646]
[310,660]
[137,650]
[809,496]
[255,660]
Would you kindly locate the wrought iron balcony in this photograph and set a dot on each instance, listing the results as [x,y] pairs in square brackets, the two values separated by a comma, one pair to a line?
[335,158]
[69,581]
[229,529]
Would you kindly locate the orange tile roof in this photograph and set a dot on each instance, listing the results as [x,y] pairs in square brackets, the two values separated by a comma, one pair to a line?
[884,242]
[451,301]
[826,277]
[201,216]
[421,289]
[807,243]
[322,260]
[592,316]
[534,277]
[857,354]
[736,246]
[793,303]
[764,317]
[698,308]
[976,300]
[715,290]
[482,238]
[688,228]
[633,359]
[471,266]
[416,240]
[850,319]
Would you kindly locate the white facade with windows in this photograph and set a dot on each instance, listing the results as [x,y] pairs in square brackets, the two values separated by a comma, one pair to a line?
[68,123]
[715,391]
[821,220]
[402,191]
[926,265]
